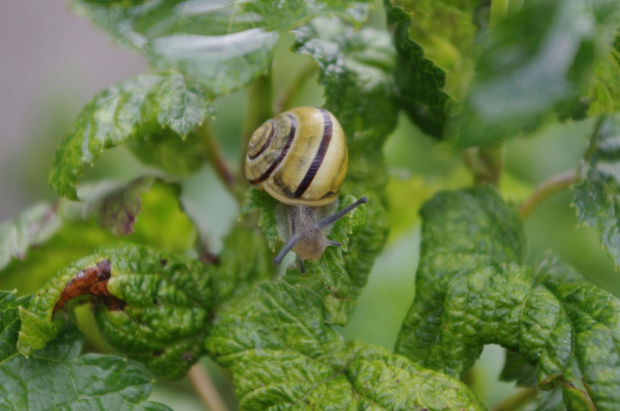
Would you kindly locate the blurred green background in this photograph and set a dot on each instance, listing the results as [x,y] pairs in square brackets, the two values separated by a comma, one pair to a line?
[53,62]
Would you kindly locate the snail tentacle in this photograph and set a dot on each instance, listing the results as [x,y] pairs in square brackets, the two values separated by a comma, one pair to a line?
[335,217]
[287,247]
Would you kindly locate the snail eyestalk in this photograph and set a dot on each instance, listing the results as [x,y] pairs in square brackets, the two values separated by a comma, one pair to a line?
[333,218]
[289,245]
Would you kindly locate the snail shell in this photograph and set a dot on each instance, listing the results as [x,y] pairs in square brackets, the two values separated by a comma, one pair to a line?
[299,157]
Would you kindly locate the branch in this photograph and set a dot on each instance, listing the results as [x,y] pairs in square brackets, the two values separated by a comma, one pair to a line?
[205,389]
[218,161]
[517,400]
[546,189]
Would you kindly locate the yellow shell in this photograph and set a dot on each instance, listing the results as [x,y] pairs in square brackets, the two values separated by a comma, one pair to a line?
[299,157]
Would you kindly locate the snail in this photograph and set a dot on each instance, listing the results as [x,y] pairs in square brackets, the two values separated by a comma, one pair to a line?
[300,158]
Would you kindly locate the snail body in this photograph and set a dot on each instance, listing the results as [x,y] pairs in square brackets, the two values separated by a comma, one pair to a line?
[300,158]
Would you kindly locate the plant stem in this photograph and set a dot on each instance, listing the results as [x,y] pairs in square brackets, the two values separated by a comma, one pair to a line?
[260,101]
[292,90]
[499,10]
[201,381]
[486,163]
[517,400]
[544,190]
[218,161]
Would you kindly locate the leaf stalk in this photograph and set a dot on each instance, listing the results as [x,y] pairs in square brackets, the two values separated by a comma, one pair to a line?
[204,387]
[218,161]
[545,190]
[486,163]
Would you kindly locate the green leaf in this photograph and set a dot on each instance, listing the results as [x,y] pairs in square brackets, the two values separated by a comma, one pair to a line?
[536,61]
[597,195]
[224,46]
[603,95]
[258,200]
[283,355]
[419,81]
[176,156]
[445,30]
[134,110]
[151,305]
[364,245]
[278,332]
[117,208]
[9,323]
[472,290]
[31,228]
[56,377]
[391,381]
[244,260]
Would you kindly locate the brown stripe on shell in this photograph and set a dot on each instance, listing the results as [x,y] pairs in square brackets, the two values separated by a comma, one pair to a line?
[319,157]
[267,142]
[277,161]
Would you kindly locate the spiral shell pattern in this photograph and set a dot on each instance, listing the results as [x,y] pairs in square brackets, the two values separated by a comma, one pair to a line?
[299,157]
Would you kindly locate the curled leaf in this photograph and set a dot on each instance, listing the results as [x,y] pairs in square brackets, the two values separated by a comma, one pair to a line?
[134,110]
[152,305]
[472,290]
[116,209]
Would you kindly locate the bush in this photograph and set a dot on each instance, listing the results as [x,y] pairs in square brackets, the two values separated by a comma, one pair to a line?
[460,82]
